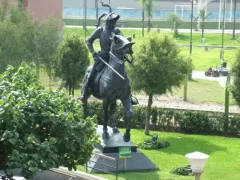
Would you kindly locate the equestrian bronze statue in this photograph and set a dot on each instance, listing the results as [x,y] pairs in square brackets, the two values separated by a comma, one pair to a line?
[107,79]
[111,83]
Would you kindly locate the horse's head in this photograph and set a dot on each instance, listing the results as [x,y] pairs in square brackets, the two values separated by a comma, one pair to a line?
[122,48]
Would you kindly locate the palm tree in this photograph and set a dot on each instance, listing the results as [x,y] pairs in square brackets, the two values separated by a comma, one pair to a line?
[203,17]
[148,6]
[142,4]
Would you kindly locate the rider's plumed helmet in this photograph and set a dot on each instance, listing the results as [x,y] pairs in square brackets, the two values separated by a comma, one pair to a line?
[112,17]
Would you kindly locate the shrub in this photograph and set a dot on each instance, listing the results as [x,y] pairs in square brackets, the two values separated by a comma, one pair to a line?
[183,171]
[40,129]
[174,22]
[151,144]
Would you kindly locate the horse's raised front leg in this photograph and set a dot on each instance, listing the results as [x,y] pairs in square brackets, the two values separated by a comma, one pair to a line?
[128,117]
[105,134]
[112,116]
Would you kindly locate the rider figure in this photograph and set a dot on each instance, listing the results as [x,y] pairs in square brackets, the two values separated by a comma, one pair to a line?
[104,35]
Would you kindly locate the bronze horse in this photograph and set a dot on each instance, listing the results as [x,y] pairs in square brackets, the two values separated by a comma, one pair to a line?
[109,86]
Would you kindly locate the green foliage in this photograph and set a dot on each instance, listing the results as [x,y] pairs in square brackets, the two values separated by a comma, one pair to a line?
[195,123]
[150,144]
[73,59]
[183,171]
[23,39]
[203,15]
[40,129]
[174,22]
[236,82]
[158,67]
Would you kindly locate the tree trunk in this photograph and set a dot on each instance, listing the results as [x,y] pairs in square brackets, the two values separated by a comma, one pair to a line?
[203,29]
[149,24]
[148,114]
[69,90]
[73,87]
[226,111]
[143,22]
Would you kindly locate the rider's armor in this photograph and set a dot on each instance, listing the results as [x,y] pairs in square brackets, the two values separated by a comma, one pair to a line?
[104,35]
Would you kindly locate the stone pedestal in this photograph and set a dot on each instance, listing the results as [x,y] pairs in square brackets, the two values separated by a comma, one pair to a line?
[112,144]
[110,148]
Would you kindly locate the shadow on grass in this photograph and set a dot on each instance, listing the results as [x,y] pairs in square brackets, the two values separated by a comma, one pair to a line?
[184,145]
[140,175]
[194,80]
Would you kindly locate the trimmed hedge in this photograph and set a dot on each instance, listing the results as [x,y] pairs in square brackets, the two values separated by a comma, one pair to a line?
[174,120]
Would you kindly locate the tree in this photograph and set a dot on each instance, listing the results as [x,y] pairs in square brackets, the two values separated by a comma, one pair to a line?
[40,129]
[158,67]
[23,39]
[42,45]
[3,9]
[175,22]
[203,17]
[236,82]
[148,6]
[73,59]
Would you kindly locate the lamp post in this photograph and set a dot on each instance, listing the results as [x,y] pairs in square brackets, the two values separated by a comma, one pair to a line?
[189,75]
[193,2]
[96,6]
[85,17]
[234,18]
[223,28]
[197,161]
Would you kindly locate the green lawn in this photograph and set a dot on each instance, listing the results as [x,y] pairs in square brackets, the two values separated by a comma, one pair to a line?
[223,164]
[201,59]
[200,90]
[183,38]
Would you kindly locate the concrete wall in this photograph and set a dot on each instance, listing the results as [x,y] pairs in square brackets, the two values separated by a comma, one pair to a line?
[10,2]
[44,9]
[131,9]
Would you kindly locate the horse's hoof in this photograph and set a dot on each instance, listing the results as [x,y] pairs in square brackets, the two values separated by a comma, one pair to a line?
[115,130]
[126,137]
[105,135]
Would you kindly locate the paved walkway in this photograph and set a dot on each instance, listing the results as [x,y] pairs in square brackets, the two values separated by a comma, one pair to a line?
[200,75]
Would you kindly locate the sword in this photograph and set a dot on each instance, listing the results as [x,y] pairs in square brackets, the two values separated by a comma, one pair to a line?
[110,67]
